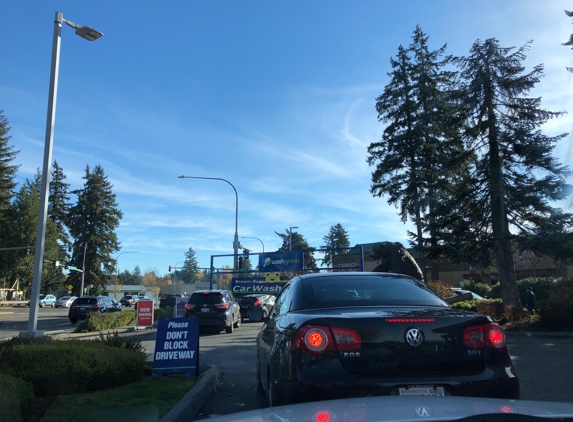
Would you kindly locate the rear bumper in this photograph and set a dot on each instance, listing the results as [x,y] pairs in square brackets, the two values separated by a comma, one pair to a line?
[307,384]
[221,320]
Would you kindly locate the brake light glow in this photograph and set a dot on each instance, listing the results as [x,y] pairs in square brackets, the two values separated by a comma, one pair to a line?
[222,305]
[481,336]
[189,305]
[257,303]
[496,336]
[317,339]
[95,307]
[205,293]
[410,320]
[322,417]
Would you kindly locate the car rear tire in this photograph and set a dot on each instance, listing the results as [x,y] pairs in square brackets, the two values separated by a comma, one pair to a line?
[41,304]
[53,305]
[239,320]
[260,386]
[74,320]
[229,329]
[273,397]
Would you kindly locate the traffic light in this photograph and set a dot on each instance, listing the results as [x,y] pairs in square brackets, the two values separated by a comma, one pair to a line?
[194,270]
[79,278]
[246,253]
[170,268]
[240,262]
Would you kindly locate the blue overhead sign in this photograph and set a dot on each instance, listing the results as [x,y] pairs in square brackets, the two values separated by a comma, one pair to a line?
[177,347]
[281,261]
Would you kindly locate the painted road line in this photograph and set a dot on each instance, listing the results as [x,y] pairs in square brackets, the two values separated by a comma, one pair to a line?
[6,313]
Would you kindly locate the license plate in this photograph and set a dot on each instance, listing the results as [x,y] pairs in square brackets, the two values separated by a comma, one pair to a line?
[423,390]
[204,309]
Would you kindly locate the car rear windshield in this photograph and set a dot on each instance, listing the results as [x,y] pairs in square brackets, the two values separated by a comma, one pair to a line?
[65,298]
[325,292]
[85,301]
[127,297]
[201,298]
[250,300]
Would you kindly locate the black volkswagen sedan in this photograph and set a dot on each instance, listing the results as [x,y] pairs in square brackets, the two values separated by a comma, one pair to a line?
[335,335]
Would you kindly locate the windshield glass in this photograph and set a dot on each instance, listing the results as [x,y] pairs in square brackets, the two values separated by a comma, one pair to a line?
[325,292]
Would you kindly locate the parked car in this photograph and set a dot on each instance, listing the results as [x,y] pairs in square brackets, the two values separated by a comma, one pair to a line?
[475,296]
[65,301]
[129,300]
[140,298]
[215,309]
[396,338]
[85,305]
[45,300]
[253,302]
[169,301]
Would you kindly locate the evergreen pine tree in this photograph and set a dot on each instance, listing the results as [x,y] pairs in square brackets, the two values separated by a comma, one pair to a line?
[514,176]
[191,266]
[58,204]
[92,222]
[569,42]
[337,237]
[7,168]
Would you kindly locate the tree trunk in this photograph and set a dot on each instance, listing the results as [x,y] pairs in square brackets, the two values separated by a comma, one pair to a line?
[418,217]
[500,227]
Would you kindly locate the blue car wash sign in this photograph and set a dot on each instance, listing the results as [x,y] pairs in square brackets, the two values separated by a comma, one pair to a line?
[257,285]
[177,347]
[281,261]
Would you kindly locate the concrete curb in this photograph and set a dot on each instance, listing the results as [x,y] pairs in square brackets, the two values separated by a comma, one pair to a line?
[190,405]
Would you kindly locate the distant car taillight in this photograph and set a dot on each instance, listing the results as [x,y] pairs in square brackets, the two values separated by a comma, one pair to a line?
[95,307]
[189,305]
[481,336]
[222,305]
[257,303]
[72,307]
[317,339]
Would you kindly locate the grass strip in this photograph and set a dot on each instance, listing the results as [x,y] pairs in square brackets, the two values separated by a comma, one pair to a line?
[147,400]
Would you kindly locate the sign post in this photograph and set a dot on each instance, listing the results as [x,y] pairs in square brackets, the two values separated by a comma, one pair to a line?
[177,347]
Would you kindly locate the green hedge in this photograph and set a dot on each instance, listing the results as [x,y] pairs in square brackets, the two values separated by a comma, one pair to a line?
[106,321]
[541,286]
[74,366]
[468,305]
[478,288]
[17,402]
[163,313]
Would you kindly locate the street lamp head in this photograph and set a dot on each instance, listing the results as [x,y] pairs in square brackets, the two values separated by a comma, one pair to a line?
[89,33]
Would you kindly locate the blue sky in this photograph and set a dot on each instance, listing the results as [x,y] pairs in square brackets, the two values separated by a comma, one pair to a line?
[276,97]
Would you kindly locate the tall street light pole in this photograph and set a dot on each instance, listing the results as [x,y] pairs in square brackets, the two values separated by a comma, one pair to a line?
[84,267]
[290,237]
[250,237]
[236,240]
[117,267]
[90,34]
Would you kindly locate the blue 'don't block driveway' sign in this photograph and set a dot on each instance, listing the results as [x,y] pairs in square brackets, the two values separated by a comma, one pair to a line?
[177,347]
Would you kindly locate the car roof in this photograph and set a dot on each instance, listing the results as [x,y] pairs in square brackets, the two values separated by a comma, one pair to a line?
[210,291]
[356,274]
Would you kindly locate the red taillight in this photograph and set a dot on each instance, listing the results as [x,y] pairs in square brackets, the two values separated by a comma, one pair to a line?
[257,303]
[346,338]
[317,339]
[205,293]
[95,307]
[189,305]
[410,320]
[496,336]
[322,417]
[72,307]
[222,305]
[480,336]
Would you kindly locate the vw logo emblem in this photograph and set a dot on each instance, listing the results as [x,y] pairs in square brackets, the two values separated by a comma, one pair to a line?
[414,337]
[423,411]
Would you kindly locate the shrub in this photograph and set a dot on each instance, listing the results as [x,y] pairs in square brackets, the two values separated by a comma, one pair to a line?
[493,308]
[478,288]
[163,313]
[18,402]
[132,343]
[468,305]
[495,292]
[541,286]
[105,321]
[516,313]
[443,290]
[562,294]
[74,366]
